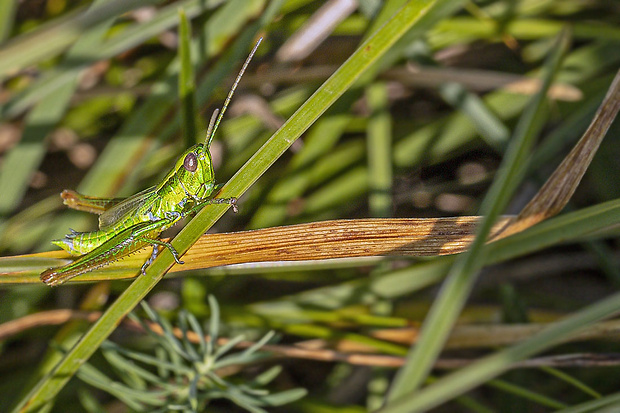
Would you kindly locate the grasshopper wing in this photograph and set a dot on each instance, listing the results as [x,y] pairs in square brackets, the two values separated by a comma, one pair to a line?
[124,209]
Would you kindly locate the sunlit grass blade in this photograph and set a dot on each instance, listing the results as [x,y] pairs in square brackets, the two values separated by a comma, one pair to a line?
[7,13]
[457,287]
[491,128]
[525,393]
[610,403]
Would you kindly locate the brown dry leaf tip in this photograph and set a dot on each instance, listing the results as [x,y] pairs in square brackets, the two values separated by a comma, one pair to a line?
[561,185]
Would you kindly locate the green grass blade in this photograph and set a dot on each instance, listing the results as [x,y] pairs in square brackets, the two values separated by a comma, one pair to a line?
[7,13]
[491,128]
[525,393]
[379,151]
[572,381]
[187,87]
[445,310]
[594,405]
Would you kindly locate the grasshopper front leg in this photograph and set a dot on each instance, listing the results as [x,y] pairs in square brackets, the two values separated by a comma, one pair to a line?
[213,201]
[121,245]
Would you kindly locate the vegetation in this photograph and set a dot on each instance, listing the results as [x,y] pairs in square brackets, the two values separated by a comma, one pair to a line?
[395,110]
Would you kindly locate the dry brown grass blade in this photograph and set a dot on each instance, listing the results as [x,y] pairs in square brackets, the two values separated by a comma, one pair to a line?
[395,237]
[337,239]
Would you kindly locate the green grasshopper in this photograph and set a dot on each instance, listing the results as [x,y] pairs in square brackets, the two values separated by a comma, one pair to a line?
[128,225]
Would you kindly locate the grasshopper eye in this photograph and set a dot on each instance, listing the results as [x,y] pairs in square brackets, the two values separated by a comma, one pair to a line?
[190,163]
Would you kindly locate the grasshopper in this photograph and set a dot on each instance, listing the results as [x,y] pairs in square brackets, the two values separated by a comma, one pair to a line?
[130,224]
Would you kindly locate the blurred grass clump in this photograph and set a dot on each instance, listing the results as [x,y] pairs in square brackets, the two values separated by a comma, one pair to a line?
[90,100]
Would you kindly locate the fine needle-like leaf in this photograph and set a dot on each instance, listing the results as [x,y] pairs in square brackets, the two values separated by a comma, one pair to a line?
[195,324]
[214,322]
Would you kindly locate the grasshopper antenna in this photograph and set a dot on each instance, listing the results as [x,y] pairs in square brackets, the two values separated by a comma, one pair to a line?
[213,125]
[210,128]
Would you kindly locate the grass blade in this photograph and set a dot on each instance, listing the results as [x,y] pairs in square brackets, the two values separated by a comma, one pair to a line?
[462,276]
[187,87]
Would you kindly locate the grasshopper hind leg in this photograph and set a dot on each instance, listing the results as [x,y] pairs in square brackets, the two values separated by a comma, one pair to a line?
[124,243]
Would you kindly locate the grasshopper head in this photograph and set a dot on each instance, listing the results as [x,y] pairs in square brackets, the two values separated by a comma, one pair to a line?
[194,171]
